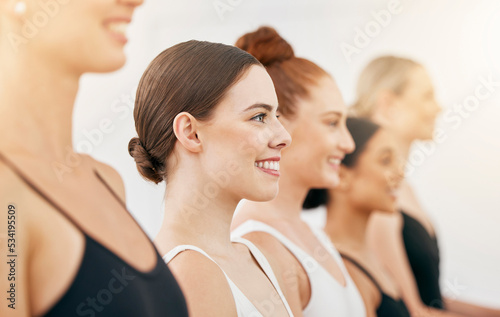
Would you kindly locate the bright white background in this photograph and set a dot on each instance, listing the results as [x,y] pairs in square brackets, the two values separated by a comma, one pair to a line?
[457,179]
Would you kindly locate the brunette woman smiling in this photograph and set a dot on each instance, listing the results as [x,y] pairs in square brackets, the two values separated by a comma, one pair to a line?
[206,122]
[315,280]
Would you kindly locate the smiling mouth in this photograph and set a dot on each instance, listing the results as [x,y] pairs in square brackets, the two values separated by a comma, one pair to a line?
[271,167]
[118,29]
[268,165]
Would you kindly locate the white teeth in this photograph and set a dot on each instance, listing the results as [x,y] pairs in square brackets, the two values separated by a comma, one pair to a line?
[269,165]
[118,27]
[334,161]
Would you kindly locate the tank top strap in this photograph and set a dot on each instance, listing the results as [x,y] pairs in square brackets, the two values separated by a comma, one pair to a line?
[39,191]
[250,226]
[244,306]
[330,247]
[359,266]
[266,267]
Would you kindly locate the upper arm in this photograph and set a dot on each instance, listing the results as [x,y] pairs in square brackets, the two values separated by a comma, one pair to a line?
[203,284]
[285,267]
[111,177]
[14,248]
[386,240]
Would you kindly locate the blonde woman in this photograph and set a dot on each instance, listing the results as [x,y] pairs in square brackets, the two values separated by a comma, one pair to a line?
[398,94]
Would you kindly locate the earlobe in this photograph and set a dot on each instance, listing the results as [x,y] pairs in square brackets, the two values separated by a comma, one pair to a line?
[384,109]
[185,129]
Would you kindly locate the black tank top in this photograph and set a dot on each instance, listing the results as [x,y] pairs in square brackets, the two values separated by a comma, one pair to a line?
[389,307]
[423,254]
[106,285]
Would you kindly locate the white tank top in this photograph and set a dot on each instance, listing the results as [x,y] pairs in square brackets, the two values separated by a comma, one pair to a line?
[328,296]
[244,306]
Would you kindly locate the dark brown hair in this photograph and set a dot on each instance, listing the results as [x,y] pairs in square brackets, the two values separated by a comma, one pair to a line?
[189,77]
[291,75]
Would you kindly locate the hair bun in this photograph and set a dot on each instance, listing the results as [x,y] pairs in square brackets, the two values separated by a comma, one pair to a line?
[147,165]
[266,45]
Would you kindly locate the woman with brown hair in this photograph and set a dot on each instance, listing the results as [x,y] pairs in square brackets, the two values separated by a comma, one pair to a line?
[369,178]
[206,121]
[315,280]
[73,247]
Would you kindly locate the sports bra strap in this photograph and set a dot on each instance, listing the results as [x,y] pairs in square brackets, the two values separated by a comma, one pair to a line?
[359,266]
[37,190]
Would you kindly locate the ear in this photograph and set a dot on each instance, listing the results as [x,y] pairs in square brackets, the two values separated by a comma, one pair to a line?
[345,176]
[185,129]
[385,108]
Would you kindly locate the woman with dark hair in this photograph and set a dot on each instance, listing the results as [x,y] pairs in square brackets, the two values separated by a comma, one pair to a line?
[73,248]
[369,177]
[316,282]
[206,121]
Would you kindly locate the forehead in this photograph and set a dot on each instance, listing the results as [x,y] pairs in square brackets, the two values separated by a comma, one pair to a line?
[380,142]
[254,87]
[419,80]
[323,97]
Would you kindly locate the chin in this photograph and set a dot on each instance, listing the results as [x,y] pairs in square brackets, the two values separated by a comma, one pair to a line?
[111,63]
[331,182]
[263,195]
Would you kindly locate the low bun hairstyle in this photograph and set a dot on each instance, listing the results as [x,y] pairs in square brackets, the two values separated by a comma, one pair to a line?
[291,75]
[191,77]
[362,130]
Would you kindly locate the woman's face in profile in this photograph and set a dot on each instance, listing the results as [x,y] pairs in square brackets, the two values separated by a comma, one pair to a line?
[320,137]
[242,141]
[377,174]
[418,106]
[87,36]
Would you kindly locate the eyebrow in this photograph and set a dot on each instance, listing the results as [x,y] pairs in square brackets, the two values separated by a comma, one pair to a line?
[259,105]
[338,113]
[386,150]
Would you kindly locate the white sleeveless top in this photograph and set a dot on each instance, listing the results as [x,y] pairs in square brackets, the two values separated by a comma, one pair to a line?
[328,296]
[244,306]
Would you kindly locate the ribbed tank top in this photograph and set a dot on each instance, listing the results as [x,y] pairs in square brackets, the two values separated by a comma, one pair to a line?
[328,296]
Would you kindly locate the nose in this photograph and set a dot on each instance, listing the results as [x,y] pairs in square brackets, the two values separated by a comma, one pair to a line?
[398,172]
[281,138]
[437,108]
[131,3]
[346,141]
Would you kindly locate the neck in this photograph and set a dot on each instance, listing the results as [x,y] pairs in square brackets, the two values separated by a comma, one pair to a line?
[36,106]
[287,205]
[193,217]
[403,143]
[346,225]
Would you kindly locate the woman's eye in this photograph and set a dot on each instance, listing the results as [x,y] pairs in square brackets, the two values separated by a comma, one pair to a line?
[333,123]
[260,117]
[386,161]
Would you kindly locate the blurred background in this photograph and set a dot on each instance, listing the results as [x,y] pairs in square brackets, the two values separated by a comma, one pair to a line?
[455,177]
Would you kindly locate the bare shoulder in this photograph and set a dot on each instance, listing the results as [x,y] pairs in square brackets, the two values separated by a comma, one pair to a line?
[204,285]
[110,176]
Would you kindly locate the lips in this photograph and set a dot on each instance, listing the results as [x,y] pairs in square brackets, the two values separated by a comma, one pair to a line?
[335,161]
[117,28]
[270,165]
